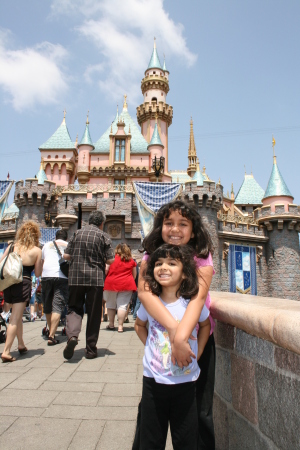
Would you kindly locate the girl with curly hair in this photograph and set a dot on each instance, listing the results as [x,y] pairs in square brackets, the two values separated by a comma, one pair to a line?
[26,245]
[169,392]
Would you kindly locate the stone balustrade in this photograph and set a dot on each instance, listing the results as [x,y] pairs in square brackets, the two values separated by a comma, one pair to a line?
[257,387]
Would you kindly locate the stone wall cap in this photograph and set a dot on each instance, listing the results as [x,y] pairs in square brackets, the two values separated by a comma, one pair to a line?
[273,319]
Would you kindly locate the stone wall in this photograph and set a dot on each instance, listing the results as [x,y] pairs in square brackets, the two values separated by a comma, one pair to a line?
[257,388]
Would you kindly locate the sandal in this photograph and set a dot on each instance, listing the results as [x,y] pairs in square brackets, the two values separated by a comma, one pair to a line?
[52,341]
[23,350]
[121,331]
[110,328]
[7,359]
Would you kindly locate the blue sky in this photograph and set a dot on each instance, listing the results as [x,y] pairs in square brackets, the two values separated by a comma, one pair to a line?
[234,67]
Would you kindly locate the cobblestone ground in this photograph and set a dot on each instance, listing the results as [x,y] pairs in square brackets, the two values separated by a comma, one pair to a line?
[47,402]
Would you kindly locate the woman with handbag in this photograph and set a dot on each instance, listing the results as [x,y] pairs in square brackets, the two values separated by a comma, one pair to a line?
[26,246]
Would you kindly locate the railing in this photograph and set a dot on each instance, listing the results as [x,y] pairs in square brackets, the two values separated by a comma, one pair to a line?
[93,188]
[237,219]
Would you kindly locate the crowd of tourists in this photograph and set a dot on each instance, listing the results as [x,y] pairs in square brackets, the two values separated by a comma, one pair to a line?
[168,296]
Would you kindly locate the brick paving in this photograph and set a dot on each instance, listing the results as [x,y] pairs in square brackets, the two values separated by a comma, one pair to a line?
[48,402]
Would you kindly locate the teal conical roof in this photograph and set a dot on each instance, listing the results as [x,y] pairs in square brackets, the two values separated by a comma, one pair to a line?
[86,138]
[138,143]
[60,139]
[155,140]
[276,186]
[198,177]
[250,192]
[154,61]
[41,175]
[165,67]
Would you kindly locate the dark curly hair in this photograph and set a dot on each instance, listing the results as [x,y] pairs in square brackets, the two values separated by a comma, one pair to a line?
[183,253]
[201,242]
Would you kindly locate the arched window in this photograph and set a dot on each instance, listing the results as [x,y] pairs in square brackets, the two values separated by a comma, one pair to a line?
[120,150]
[154,99]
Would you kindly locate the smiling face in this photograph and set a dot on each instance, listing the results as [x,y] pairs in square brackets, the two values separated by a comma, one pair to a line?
[168,272]
[177,229]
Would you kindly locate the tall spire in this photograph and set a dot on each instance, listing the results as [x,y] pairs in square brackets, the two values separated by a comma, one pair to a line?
[86,138]
[154,60]
[192,154]
[276,185]
[125,106]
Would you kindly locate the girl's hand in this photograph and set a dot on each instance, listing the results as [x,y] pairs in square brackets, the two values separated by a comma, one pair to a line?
[181,353]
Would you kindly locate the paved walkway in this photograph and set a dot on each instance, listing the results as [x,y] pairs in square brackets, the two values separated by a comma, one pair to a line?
[47,402]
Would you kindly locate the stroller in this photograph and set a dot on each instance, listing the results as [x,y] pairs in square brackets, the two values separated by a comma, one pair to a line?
[2,321]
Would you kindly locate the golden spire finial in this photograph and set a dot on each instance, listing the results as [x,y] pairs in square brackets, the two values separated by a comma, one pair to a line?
[87,118]
[154,46]
[204,168]
[273,145]
[245,169]
[76,142]
[64,119]
[232,191]
[125,102]
[219,182]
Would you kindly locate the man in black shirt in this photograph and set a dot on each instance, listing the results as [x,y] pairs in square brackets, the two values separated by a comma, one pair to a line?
[88,251]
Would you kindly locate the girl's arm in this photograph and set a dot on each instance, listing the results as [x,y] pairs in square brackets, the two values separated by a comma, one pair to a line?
[5,253]
[38,267]
[155,308]
[141,330]
[191,317]
[203,336]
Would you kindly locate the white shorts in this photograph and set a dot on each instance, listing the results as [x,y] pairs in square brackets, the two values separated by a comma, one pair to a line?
[117,300]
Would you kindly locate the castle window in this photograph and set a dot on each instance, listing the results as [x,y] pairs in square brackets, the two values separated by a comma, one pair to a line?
[243,208]
[64,157]
[154,99]
[49,156]
[120,183]
[56,156]
[161,93]
[120,150]
[154,72]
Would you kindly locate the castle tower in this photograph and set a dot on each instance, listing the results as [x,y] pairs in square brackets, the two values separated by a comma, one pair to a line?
[59,155]
[84,149]
[192,154]
[155,87]
[282,221]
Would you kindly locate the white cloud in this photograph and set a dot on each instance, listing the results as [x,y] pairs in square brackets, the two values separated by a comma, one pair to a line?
[32,76]
[123,32]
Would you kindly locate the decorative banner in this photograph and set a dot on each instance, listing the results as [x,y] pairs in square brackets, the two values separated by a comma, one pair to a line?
[242,269]
[150,197]
[48,234]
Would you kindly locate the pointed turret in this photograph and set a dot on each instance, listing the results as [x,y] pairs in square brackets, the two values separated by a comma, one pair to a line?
[155,140]
[277,192]
[198,175]
[192,154]
[86,138]
[276,185]
[41,175]
[164,66]
[60,139]
[154,62]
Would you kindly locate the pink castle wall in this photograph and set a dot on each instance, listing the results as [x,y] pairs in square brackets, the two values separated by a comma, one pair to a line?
[278,201]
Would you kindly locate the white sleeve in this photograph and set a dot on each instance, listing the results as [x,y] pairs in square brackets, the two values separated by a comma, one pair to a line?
[142,314]
[204,314]
[43,252]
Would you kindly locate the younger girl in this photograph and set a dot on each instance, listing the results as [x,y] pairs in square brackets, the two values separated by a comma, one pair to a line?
[169,391]
[179,223]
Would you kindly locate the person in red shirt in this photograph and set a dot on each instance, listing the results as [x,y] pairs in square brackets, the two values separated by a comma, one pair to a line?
[119,285]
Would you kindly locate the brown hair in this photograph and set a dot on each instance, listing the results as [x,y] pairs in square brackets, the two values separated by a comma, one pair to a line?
[124,252]
[28,235]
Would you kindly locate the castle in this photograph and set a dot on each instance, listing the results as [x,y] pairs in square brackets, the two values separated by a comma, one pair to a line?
[255,233]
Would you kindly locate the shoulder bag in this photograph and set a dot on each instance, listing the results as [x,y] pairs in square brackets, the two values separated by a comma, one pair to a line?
[63,264]
[11,270]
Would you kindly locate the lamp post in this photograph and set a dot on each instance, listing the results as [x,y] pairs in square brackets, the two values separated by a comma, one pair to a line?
[158,165]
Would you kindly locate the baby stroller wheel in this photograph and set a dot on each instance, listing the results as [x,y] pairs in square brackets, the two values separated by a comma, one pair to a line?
[2,336]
